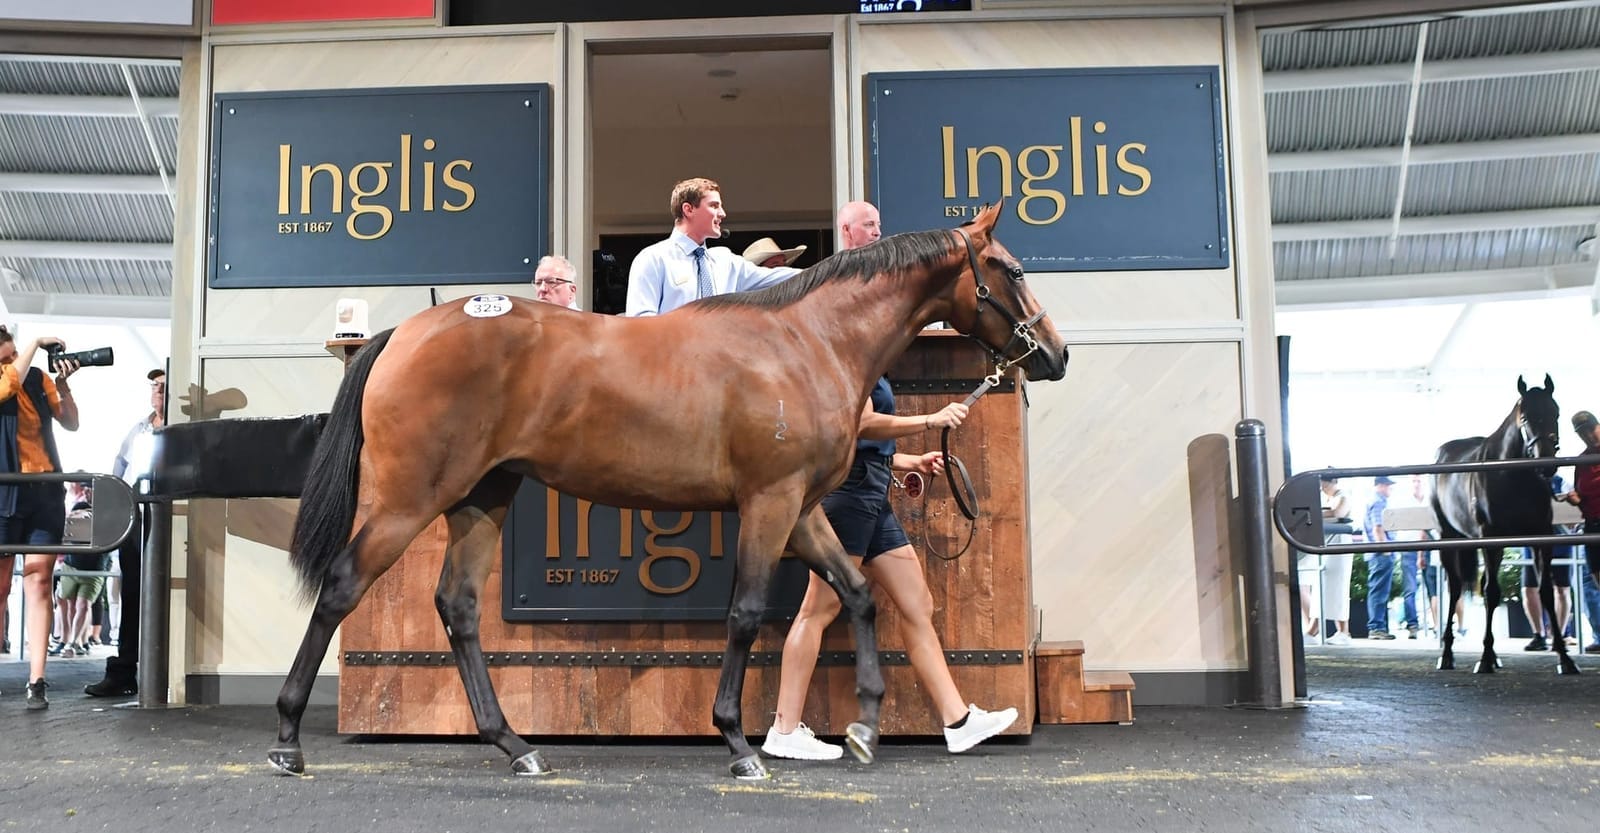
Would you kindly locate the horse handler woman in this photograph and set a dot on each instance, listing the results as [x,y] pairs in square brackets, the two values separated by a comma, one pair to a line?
[861,516]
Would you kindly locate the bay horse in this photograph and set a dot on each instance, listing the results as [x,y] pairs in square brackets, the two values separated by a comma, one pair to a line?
[746,402]
[1500,503]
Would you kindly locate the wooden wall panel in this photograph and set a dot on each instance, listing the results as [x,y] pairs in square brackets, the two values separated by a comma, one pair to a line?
[1132,482]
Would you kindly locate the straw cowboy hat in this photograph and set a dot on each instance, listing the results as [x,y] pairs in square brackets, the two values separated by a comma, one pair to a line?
[766,247]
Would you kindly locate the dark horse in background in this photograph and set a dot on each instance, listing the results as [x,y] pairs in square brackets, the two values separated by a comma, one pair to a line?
[1500,503]
[746,402]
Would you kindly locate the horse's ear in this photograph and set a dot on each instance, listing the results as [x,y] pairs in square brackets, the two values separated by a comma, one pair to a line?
[990,216]
[1522,387]
[1549,384]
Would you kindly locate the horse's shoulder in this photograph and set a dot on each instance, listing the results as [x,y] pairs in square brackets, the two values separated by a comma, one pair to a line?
[1465,448]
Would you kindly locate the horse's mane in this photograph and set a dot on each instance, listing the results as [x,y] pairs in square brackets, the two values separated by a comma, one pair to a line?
[890,254]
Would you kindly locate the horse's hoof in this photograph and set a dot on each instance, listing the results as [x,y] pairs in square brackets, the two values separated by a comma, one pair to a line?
[531,764]
[1567,666]
[863,742]
[1446,664]
[1484,667]
[287,760]
[749,768]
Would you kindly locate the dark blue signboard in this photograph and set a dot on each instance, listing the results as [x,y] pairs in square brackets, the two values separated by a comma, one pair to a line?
[569,560]
[1100,169]
[379,187]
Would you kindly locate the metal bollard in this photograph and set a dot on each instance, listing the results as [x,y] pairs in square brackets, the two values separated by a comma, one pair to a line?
[1261,627]
[155,597]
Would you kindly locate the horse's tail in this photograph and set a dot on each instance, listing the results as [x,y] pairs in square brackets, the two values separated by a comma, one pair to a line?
[328,501]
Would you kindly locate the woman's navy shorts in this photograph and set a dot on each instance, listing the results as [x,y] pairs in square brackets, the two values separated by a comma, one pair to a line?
[859,510]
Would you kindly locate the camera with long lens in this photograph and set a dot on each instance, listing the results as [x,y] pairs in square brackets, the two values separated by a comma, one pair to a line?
[98,357]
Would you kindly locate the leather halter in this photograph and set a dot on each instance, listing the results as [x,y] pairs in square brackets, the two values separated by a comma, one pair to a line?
[1020,330]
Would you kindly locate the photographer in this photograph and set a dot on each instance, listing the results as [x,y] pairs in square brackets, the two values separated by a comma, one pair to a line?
[32,513]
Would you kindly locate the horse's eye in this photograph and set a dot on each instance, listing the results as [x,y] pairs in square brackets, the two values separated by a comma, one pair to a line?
[1015,272]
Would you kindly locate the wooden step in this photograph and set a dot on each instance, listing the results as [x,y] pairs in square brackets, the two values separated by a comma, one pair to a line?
[1069,694]
[1107,681]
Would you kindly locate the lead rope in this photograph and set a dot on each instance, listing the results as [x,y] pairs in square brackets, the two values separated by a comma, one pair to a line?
[966,497]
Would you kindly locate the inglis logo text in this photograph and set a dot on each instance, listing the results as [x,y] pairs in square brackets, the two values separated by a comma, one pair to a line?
[443,187]
[1035,164]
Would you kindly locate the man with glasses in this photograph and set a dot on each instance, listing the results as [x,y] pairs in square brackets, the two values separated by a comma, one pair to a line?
[133,463]
[555,281]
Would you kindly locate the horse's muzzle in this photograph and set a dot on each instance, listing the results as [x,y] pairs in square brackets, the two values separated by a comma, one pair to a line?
[1047,365]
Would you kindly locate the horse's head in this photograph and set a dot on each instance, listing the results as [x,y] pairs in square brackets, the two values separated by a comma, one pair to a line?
[1540,418]
[993,304]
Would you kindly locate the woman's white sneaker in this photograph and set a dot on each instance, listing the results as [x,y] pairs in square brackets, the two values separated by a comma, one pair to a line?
[980,726]
[801,744]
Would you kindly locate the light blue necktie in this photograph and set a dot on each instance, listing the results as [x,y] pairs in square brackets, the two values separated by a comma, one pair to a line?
[702,273]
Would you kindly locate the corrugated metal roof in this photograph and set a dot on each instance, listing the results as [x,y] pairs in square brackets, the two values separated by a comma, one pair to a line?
[1429,253]
[1346,111]
[82,144]
[1449,38]
[19,74]
[130,278]
[103,218]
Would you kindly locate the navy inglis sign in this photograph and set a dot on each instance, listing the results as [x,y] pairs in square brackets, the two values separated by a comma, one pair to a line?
[428,185]
[1101,169]
[570,560]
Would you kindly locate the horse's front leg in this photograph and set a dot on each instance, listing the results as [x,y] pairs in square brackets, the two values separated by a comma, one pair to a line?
[815,542]
[764,525]
[1491,600]
[1543,558]
[1455,575]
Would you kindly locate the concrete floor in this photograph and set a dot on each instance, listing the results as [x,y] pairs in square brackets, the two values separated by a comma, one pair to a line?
[1385,744]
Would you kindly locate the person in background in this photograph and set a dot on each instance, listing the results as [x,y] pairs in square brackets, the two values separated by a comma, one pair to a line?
[1543,634]
[765,252]
[682,268]
[133,463]
[1336,568]
[80,582]
[555,281]
[32,514]
[1585,495]
[1380,565]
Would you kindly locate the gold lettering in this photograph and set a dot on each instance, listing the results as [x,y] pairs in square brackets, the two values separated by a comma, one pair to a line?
[460,186]
[1101,184]
[947,137]
[358,193]
[405,171]
[1137,170]
[552,523]
[283,179]
[1000,154]
[716,535]
[1029,178]
[1077,155]
[624,529]
[308,175]
[655,552]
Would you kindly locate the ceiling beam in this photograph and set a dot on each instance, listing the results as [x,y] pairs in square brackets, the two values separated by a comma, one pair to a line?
[20,104]
[1437,224]
[84,250]
[23,306]
[1463,69]
[1439,154]
[81,183]
[1437,287]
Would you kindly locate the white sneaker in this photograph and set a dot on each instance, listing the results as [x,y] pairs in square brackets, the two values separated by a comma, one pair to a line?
[801,744]
[980,726]
[1340,638]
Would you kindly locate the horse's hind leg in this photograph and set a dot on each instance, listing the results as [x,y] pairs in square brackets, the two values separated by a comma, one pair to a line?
[474,531]
[765,522]
[369,554]
[816,544]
